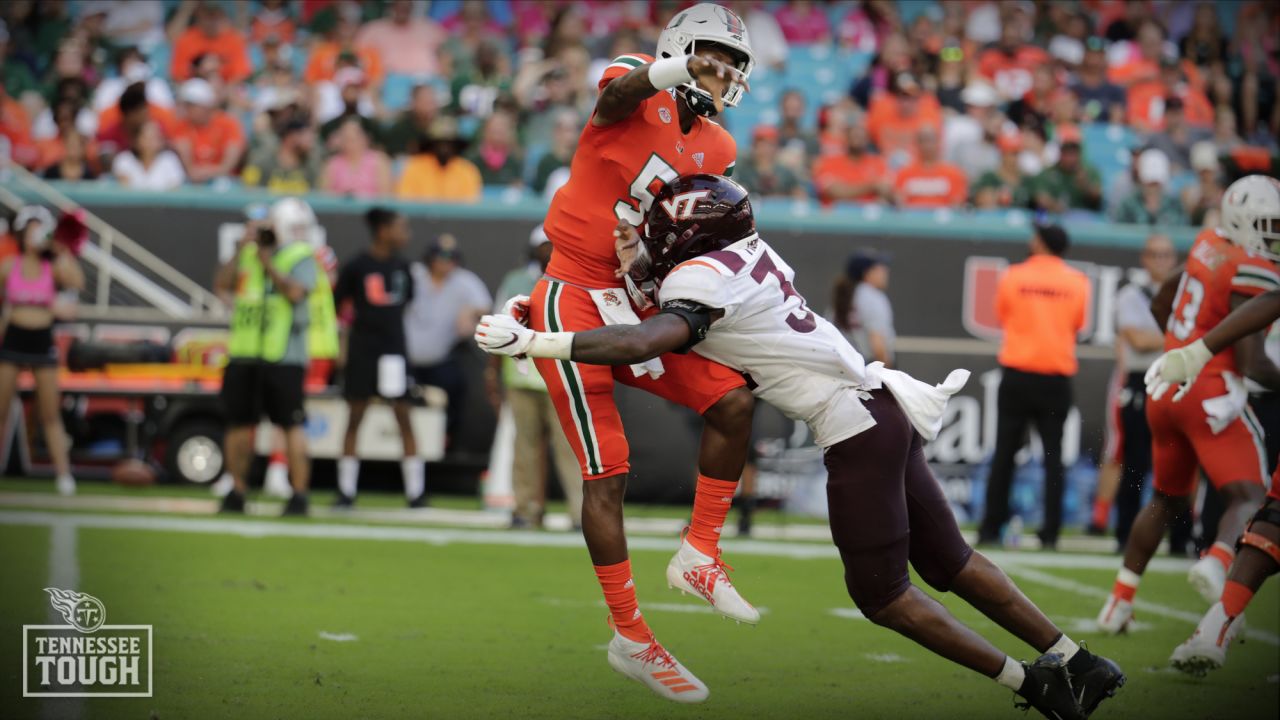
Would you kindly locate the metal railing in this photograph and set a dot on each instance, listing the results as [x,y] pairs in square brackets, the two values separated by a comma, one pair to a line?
[118,259]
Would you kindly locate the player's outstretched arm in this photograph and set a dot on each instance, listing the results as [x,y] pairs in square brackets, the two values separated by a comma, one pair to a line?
[1256,314]
[609,345]
[1251,356]
[624,94]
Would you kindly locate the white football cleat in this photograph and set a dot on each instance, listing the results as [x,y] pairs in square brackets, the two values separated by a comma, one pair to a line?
[692,571]
[1208,577]
[1206,649]
[276,481]
[652,665]
[66,485]
[1115,616]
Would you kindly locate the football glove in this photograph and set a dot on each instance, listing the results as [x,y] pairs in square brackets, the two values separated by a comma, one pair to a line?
[518,308]
[1177,367]
[503,335]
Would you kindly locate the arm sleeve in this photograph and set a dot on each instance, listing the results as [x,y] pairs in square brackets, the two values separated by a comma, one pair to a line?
[697,315]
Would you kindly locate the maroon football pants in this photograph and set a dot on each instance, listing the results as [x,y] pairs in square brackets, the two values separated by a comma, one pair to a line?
[887,509]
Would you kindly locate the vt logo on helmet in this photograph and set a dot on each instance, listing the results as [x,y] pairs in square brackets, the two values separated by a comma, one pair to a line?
[699,26]
[694,215]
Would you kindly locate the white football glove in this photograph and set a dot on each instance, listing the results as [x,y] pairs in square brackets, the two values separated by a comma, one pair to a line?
[1177,367]
[518,308]
[503,335]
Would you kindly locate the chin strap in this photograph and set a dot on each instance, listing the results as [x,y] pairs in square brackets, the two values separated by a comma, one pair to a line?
[699,102]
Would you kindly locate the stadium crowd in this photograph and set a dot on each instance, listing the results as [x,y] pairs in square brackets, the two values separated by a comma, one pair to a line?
[1124,108]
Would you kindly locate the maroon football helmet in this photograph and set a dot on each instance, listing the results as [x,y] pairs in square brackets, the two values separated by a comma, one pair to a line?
[693,215]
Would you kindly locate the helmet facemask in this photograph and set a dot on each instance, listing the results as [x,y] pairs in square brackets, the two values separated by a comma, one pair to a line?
[700,101]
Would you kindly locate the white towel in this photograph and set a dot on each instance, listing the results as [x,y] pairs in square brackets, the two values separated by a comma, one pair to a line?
[1223,410]
[924,404]
[615,309]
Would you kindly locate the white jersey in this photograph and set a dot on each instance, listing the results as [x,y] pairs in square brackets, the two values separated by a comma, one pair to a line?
[796,360]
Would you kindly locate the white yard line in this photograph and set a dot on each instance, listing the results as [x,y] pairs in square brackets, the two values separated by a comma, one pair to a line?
[64,573]
[1141,605]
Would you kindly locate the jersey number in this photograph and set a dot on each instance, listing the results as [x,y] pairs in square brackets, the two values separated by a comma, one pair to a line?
[1190,295]
[655,169]
[804,322]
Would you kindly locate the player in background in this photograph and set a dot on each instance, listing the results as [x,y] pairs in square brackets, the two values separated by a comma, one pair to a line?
[651,124]
[1213,429]
[724,293]
[1258,549]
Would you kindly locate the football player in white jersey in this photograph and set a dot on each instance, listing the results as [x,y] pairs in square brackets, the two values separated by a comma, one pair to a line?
[725,294]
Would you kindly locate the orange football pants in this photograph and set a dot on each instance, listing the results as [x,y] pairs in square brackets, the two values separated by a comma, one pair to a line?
[1182,441]
[583,394]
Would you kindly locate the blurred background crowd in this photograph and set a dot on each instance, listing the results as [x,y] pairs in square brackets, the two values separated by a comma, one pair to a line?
[1137,110]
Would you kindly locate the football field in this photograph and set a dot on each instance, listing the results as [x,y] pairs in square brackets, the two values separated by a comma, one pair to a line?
[335,617]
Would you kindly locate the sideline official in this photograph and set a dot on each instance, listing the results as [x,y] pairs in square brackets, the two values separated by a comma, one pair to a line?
[1040,304]
[271,276]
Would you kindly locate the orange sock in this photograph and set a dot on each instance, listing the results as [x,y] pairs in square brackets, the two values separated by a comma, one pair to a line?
[277,458]
[620,596]
[1101,512]
[1126,584]
[711,505]
[1235,597]
[1223,553]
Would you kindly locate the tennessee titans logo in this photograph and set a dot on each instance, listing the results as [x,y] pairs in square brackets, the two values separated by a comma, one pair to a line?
[732,22]
[82,611]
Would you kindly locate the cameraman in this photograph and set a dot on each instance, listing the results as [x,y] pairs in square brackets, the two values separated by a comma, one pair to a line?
[270,277]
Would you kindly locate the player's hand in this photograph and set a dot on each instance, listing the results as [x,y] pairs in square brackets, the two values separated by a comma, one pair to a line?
[503,335]
[518,308]
[715,77]
[626,243]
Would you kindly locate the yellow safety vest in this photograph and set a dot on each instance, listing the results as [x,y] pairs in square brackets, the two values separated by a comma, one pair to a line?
[261,322]
[322,335]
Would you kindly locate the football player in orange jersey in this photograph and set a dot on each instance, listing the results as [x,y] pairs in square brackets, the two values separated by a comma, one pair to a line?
[1213,428]
[650,126]
[1258,551]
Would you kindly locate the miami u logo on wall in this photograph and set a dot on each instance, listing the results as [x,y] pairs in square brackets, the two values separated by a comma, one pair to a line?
[680,207]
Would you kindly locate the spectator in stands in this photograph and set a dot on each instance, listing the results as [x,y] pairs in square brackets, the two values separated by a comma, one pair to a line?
[211,33]
[545,103]
[929,182]
[272,20]
[209,141]
[951,77]
[552,170]
[861,307]
[117,124]
[856,175]
[1144,58]
[70,94]
[133,24]
[436,171]
[487,78]
[894,58]
[767,39]
[1202,198]
[15,76]
[761,174]
[1148,100]
[74,164]
[131,67]
[467,31]
[293,169]
[1009,65]
[1036,101]
[52,148]
[1070,184]
[408,45]
[968,138]
[537,431]
[31,283]
[1206,44]
[866,25]
[1151,203]
[400,138]
[147,164]
[793,136]
[356,169]
[1178,137]
[1101,100]
[15,127]
[347,96]
[804,22]
[896,119]
[497,155]
[447,302]
[322,63]
[1005,186]
[1071,28]
[1225,134]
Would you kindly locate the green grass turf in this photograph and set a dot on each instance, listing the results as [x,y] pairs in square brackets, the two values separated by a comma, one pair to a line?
[475,631]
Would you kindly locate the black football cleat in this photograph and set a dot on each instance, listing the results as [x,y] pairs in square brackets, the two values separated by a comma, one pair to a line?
[1093,679]
[343,502]
[296,507]
[1047,688]
[419,502]
[232,503]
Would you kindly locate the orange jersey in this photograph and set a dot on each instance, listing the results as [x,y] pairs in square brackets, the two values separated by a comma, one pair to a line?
[615,173]
[1216,270]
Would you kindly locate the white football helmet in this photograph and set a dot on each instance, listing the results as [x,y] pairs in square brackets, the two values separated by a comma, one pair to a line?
[293,220]
[708,23]
[1251,215]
